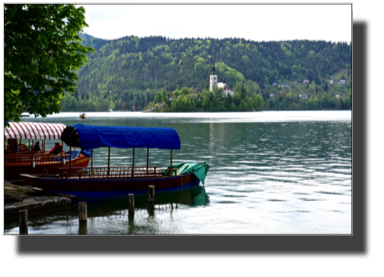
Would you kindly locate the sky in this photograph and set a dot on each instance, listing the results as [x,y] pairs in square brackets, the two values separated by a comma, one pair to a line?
[253,22]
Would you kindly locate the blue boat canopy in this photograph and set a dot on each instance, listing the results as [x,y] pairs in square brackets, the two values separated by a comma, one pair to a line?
[90,137]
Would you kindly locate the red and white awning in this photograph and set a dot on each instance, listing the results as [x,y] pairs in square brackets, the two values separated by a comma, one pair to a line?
[29,130]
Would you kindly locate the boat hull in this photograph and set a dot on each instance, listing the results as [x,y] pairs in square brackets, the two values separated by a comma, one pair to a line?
[107,187]
[12,171]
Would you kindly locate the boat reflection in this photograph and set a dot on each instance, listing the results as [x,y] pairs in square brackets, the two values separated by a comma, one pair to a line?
[192,197]
[101,210]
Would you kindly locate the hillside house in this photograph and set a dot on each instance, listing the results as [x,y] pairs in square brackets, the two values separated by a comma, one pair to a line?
[331,82]
[229,91]
[271,95]
[342,82]
[284,85]
[304,96]
[306,82]
[226,88]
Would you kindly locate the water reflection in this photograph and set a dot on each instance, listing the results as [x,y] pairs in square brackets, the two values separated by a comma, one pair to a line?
[103,213]
[83,228]
[268,175]
[191,197]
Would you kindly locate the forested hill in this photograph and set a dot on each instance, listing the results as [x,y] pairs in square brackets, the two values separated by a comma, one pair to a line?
[133,69]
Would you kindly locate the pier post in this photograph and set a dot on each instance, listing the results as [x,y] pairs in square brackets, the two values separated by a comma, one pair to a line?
[151,195]
[131,204]
[23,222]
[82,209]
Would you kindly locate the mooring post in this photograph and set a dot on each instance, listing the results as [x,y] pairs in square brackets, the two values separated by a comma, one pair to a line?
[82,208]
[23,222]
[131,204]
[151,195]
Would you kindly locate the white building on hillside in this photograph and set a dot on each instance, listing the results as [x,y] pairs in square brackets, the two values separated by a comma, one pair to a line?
[214,81]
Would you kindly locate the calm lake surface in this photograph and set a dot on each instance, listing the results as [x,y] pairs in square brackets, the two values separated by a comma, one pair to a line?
[285,172]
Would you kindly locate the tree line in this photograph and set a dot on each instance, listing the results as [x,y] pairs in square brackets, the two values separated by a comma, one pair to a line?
[131,70]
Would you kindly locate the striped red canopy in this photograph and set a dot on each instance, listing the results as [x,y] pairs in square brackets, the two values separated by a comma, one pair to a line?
[30,130]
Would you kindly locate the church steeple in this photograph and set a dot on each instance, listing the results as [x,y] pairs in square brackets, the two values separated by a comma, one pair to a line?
[212,78]
[213,71]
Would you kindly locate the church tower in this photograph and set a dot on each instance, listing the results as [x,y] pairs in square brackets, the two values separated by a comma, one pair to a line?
[212,79]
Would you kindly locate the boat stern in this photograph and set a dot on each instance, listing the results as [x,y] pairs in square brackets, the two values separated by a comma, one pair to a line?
[27,179]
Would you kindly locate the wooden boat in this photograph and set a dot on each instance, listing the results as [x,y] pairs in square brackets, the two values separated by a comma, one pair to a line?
[82,116]
[115,181]
[41,162]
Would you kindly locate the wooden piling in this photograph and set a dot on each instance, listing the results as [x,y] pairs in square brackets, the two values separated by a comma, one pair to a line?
[131,204]
[82,209]
[23,222]
[151,195]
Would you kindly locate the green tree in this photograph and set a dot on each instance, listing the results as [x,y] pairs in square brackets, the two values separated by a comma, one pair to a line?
[41,53]
[205,103]
[176,93]
[258,102]
[104,105]
[184,91]
[242,92]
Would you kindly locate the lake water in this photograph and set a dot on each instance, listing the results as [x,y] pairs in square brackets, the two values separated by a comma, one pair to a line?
[279,172]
